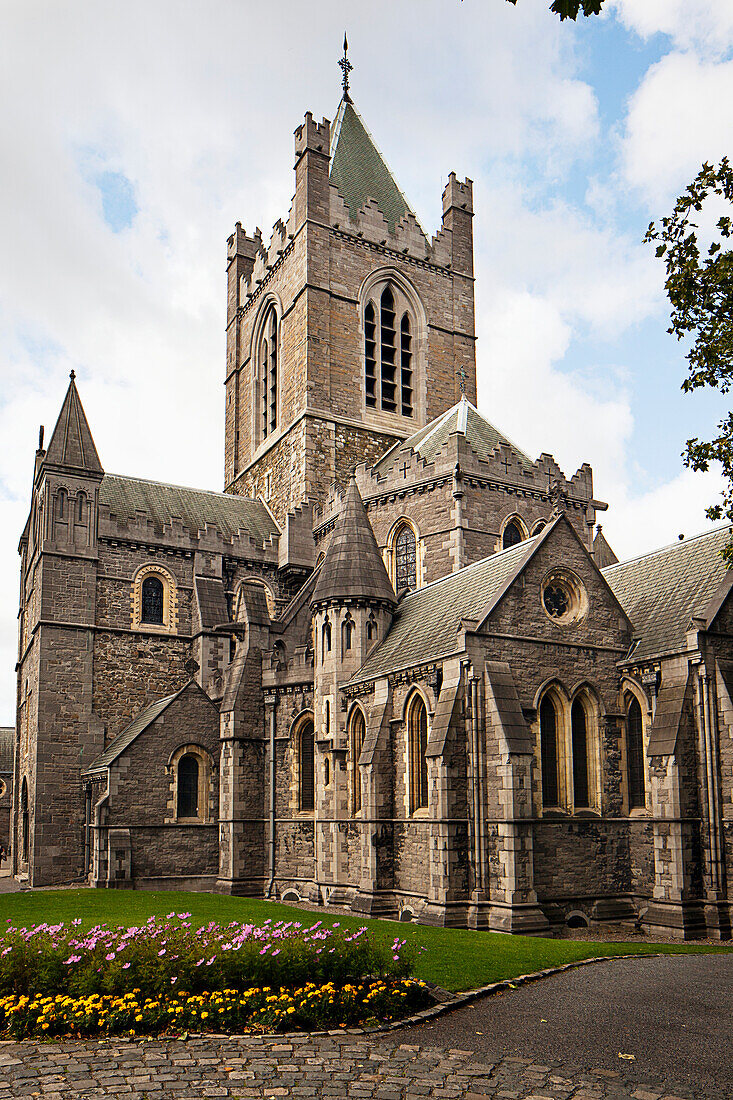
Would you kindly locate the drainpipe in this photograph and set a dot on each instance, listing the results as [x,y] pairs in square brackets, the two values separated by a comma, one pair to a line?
[97,813]
[271,840]
[87,827]
[477,710]
[476,845]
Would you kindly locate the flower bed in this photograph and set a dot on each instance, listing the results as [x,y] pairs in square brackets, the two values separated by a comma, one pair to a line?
[166,974]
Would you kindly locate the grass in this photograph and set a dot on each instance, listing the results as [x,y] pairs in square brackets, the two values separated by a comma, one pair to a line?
[453,958]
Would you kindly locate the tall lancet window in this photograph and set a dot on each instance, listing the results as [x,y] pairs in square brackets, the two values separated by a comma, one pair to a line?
[388,351]
[268,367]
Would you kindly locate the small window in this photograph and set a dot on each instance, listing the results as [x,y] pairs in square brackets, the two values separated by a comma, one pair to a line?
[326,772]
[358,728]
[548,750]
[188,786]
[152,601]
[347,634]
[371,629]
[635,756]
[307,768]
[512,535]
[81,502]
[326,639]
[417,727]
[61,502]
[405,553]
[579,731]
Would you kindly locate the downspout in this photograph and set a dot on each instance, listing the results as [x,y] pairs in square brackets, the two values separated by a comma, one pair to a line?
[87,827]
[475,783]
[271,838]
[98,827]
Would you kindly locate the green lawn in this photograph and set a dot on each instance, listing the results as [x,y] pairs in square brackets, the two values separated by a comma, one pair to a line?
[452,958]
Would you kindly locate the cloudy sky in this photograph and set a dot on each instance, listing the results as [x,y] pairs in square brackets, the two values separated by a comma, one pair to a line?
[133,136]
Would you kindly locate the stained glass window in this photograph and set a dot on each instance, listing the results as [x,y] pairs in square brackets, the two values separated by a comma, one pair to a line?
[512,535]
[307,772]
[418,735]
[580,754]
[635,756]
[188,786]
[405,559]
[152,601]
[548,750]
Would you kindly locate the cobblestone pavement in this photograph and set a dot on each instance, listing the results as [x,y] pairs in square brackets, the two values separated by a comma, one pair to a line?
[344,1065]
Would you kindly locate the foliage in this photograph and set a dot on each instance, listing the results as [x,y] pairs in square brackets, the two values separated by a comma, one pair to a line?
[255,1009]
[699,286]
[162,954]
[571,9]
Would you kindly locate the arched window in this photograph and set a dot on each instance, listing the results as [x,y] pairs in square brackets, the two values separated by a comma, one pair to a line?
[188,786]
[405,559]
[152,601]
[24,822]
[371,629]
[61,500]
[347,634]
[417,731]
[548,751]
[388,352]
[579,734]
[306,777]
[326,772]
[512,534]
[267,372]
[327,718]
[326,638]
[356,738]
[81,500]
[539,526]
[635,756]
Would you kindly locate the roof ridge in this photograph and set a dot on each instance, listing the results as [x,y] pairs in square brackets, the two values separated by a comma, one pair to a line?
[679,544]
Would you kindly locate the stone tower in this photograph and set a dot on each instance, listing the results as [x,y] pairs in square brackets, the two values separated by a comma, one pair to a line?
[353,604]
[57,731]
[351,329]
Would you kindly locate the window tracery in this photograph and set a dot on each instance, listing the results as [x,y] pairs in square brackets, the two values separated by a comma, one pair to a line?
[389,327]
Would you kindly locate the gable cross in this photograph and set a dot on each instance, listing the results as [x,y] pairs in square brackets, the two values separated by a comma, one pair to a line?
[404,467]
[505,463]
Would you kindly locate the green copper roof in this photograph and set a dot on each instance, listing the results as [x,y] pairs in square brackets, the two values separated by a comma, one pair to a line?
[465,418]
[359,171]
[661,591]
[195,508]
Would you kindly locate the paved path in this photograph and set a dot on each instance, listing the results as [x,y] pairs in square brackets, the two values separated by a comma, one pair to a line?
[672,1014]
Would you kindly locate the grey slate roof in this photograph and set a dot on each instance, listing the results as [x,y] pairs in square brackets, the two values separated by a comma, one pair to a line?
[464,418]
[7,746]
[358,168]
[661,591]
[667,718]
[212,602]
[427,621]
[353,567]
[136,727]
[124,496]
[71,442]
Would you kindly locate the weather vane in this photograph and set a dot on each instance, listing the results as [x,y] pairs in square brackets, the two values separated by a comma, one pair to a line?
[346,68]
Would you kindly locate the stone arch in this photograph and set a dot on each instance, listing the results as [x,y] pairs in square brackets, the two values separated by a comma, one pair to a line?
[635,779]
[370,292]
[303,776]
[397,555]
[169,623]
[180,773]
[510,523]
[356,734]
[417,728]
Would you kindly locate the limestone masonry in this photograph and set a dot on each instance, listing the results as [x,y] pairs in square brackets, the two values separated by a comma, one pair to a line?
[395,665]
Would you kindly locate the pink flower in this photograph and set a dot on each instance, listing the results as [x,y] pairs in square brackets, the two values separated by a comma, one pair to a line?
[125,966]
[110,957]
[161,952]
[173,981]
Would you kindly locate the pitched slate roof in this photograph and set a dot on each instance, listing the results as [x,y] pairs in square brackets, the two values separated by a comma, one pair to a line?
[464,418]
[71,442]
[212,602]
[124,496]
[7,746]
[661,591]
[427,621]
[353,567]
[359,171]
[136,727]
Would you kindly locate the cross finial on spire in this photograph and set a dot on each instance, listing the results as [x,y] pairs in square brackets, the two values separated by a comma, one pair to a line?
[346,68]
[72,375]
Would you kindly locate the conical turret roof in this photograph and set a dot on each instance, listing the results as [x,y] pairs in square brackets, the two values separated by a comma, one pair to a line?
[71,443]
[353,568]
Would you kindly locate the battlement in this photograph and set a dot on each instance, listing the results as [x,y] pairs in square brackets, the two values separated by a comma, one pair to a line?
[264,260]
[311,135]
[457,194]
[241,244]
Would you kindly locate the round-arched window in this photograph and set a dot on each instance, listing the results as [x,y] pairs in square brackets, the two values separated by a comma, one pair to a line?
[152,601]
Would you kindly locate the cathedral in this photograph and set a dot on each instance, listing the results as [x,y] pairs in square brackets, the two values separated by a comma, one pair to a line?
[394,666]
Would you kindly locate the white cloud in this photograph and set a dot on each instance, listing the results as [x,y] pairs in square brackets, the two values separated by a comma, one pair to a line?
[704,25]
[680,116]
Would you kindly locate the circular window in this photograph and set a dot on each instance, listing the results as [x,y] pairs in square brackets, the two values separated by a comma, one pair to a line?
[564,597]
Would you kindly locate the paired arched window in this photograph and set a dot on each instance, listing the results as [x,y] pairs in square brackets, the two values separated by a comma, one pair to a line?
[152,601]
[188,786]
[635,756]
[513,534]
[569,753]
[306,767]
[267,372]
[357,729]
[417,734]
[388,351]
